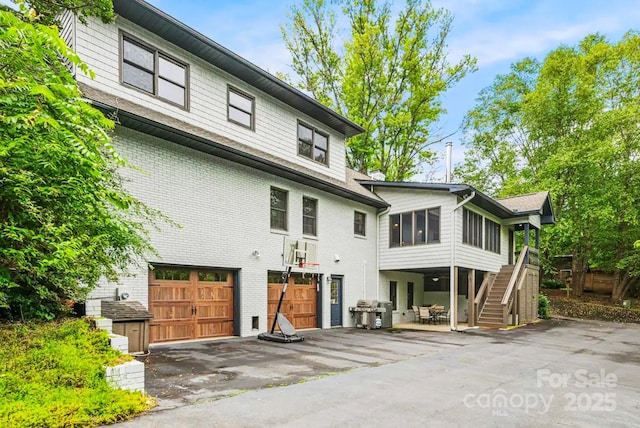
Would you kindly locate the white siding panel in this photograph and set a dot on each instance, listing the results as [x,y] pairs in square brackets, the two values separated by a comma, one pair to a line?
[275,122]
[223,210]
[472,257]
[436,255]
[417,256]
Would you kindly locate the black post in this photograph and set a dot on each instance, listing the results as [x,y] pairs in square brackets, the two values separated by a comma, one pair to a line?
[285,281]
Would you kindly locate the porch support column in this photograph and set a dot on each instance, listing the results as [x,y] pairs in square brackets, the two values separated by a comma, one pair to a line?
[471,284]
[537,239]
[526,241]
[454,299]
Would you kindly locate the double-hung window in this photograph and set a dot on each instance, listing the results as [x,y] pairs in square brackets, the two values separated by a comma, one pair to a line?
[149,70]
[279,200]
[359,223]
[414,228]
[313,144]
[240,108]
[471,228]
[492,236]
[309,216]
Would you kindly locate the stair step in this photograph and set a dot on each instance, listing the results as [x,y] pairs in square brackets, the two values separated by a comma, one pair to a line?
[487,325]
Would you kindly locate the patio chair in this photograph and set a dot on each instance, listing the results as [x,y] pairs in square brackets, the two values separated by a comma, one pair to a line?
[425,315]
[416,314]
[444,317]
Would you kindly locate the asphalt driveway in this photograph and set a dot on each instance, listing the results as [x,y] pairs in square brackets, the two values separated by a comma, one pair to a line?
[181,374]
[557,372]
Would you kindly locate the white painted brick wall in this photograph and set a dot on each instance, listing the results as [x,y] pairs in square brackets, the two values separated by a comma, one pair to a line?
[129,376]
[93,308]
[121,343]
[275,122]
[224,211]
[104,324]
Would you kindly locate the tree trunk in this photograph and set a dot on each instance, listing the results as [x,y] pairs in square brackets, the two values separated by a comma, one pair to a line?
[621,285]
[578,275]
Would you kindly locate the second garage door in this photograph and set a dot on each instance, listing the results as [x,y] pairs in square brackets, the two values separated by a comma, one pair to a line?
[299,304]
[190,304]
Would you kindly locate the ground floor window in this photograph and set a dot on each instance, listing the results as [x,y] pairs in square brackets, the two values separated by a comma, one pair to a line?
[393,294]
[409,295]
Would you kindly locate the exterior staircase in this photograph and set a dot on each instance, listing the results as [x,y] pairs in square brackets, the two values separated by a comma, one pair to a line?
[491,315]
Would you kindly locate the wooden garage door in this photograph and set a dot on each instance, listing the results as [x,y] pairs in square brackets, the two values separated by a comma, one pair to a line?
[190,304]
[299,304]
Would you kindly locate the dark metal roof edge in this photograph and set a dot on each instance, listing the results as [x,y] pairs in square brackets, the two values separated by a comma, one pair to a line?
[498,206]
[414,185]
[456,189]
[350,128]
[247,159]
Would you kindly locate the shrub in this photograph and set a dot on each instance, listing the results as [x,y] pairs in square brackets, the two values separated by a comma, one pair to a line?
[551,283]
[543,306]
[53,375]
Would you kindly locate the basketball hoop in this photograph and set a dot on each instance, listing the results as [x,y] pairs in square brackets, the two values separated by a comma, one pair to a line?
[308,267]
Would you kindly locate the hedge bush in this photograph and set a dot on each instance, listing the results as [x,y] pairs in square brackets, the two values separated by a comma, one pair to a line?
[586,310]
[543,306]
[551,283]
[52,375]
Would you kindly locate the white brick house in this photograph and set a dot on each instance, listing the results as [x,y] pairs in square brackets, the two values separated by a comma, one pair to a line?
[241,161]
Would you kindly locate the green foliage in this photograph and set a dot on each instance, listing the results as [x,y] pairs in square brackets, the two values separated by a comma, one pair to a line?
[387,76]
[53,375]
[65,218]
[568,124]
[543,306]
[551,283]
[593,311]
[47,11]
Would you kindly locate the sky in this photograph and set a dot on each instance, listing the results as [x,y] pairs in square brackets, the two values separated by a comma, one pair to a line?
[496,32]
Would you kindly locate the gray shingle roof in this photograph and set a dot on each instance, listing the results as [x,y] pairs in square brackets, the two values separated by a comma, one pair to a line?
[525,203]
[124,310]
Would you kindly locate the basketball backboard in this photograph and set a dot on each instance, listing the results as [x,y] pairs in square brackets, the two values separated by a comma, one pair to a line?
[301,254]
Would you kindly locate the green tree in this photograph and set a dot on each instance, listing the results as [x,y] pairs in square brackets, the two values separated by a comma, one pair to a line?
[569,124]
[65,218]
[47,11]
[387,76]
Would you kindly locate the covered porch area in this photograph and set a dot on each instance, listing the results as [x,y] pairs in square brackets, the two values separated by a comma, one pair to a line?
[450,303]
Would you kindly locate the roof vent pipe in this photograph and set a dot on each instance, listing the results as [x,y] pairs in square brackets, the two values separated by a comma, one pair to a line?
[447,158]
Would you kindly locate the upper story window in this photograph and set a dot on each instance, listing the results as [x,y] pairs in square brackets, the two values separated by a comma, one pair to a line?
[359,223]
[471,228]
[240,107]
[309,216]
[492,236]
[414,228]
[149,70]
[279,203]
[313,144]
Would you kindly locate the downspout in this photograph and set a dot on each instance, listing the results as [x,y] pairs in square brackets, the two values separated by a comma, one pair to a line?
[452,299]
[364,280]
[386,211]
